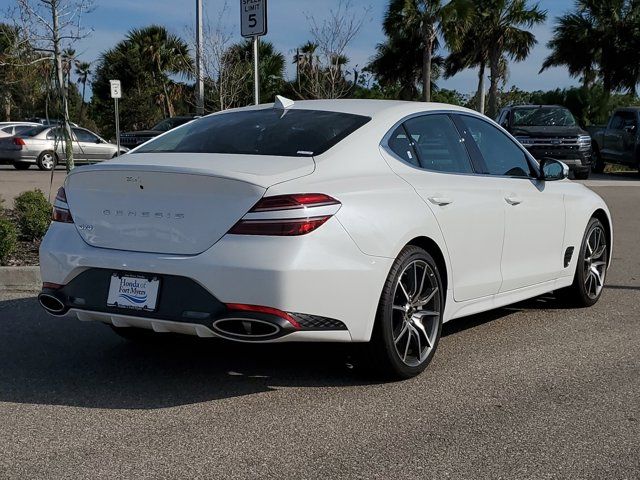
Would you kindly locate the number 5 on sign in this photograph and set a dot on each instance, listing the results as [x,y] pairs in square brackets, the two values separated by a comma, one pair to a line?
[253,18]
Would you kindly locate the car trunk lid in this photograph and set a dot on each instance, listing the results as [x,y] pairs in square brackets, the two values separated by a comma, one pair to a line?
[171,204]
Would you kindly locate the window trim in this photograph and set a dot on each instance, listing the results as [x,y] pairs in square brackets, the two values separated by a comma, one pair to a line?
[475,159]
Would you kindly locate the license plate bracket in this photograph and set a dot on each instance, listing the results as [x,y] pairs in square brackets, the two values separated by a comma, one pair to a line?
[134,292]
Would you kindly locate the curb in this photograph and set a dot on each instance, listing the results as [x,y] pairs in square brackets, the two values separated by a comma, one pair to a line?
[20,279]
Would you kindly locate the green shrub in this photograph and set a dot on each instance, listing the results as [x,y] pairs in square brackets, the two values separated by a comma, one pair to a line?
[34,214]
[8,239]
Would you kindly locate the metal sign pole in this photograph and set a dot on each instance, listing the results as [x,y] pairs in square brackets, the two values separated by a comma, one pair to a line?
[117,127]
[199,61]
[256,70]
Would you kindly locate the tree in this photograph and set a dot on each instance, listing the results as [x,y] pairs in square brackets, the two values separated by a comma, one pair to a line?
[49,27]
[506,24]
[601,38]
[83,71]
[164,54]
[469,48]
[324,73]
[407,57]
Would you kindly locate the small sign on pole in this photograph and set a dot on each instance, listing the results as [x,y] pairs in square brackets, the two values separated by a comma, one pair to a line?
[116,93]
[253,24]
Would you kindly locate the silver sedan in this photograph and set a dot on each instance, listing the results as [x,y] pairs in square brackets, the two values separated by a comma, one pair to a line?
[44,147]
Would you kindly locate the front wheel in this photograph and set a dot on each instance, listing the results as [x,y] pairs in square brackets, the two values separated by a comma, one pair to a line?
[582,174]
[598,164]
[409,319]
[591,271]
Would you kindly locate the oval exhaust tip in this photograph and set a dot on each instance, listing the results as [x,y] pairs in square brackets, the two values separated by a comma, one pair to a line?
[246,328]
[52,304]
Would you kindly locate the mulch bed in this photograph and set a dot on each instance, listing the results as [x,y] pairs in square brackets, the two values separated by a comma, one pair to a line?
[26,251]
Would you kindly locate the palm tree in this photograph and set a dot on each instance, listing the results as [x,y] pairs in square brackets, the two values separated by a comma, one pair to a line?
[599,39]
[83,70]
[506,24]
[468,46]
[165,53]
[425,18]
[68,62]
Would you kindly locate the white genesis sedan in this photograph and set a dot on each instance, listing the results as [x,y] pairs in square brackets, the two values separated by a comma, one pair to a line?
[323,221]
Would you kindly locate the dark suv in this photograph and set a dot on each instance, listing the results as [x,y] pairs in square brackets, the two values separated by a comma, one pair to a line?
[550,131]
[137,138]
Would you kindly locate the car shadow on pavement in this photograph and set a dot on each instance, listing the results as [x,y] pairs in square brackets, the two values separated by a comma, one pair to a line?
[51,361]
[61,361]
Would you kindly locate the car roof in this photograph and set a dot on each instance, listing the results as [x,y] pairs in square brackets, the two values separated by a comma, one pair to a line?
[376,109]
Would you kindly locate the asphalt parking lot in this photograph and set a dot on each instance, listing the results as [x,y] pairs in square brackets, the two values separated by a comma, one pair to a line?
[532,391]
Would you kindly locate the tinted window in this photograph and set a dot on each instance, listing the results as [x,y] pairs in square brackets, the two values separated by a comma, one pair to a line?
[401,146]
[501,155]
[8,130]
[438,144]
[54,134]
[20,129]
[269,131]
[33,131]
[84,136]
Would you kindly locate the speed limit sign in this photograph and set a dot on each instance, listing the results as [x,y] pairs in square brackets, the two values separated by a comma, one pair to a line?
[253,18]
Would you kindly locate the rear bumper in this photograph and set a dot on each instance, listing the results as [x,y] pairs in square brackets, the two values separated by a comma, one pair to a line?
[319,277]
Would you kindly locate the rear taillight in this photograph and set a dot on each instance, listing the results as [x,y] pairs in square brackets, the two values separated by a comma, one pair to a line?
[61,211]
[287,215]
[18,141]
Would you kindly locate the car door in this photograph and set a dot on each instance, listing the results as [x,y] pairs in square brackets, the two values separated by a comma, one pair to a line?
[629,133]
[470,214]
[534,210]
[85,145]
[613,138]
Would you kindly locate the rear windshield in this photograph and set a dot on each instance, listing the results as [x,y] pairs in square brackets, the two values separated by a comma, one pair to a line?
[292,133]
[543,117]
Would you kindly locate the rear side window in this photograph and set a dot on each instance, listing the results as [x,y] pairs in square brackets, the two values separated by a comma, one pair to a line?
[291,133]
[401,145]
[438,144]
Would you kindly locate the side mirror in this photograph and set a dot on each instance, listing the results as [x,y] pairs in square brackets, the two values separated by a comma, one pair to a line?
[553,170]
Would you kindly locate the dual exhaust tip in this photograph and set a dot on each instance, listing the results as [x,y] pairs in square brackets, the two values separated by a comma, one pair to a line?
[52,304]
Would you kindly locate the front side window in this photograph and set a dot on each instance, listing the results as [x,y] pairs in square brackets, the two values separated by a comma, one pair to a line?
[438,144]
[291,133]
[502,156]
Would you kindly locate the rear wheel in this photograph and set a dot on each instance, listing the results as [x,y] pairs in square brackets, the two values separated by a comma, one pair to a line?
[582,174]
[409,319]
[21,165]
[591,271]
[47,160]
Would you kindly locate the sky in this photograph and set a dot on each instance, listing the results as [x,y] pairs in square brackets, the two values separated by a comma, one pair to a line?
[289,27]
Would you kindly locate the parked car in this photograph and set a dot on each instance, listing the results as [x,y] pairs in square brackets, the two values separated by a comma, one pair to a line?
[137,138]
[43,146]
[328,220]
[11,129]
[619,141]
[48,121]
[550,131]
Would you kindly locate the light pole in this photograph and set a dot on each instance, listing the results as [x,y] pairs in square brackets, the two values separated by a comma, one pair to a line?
[199,61]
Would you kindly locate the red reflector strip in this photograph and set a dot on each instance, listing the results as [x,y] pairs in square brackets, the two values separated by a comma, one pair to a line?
[268,310]
[51,286]
[283,228]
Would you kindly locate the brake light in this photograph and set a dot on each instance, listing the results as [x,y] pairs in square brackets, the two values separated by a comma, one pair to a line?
[287,215]
[241,307]
[18,141]
[61,211]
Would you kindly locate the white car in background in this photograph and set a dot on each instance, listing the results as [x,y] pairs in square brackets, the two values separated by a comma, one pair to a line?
[338,221]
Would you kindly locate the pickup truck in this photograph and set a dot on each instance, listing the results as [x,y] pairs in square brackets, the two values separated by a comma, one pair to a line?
[550,131]
[619,141]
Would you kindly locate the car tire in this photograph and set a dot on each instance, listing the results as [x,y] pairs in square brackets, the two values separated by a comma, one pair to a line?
[582,174]
[598,164]
[591,269]
[47,160]
[409,318]
[21,165]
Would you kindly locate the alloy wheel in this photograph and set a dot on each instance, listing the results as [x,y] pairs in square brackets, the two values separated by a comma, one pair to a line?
[48,161]
[595,262]
[416,313]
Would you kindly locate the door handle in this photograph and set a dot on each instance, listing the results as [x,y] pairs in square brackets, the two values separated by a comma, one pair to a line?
[441,201]
[513,200]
